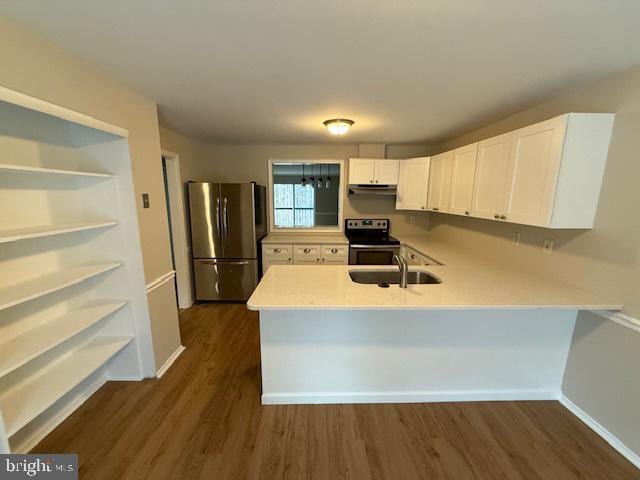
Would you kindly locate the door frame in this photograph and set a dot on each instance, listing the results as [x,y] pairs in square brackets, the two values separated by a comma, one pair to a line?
[177,216]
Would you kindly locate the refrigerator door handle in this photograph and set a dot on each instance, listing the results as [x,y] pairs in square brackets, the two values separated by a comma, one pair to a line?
[223,262]
[218,218]
[226,220]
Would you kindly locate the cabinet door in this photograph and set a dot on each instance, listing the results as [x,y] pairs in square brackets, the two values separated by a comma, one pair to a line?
[440,182]
[361,171]
[386,172]
[533,172]
[492,169]
[463,170]
[305,254]
[268,261]
[413,182]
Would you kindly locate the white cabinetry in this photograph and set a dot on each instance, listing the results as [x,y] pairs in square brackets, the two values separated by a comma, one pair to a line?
[413,257]
[304,254]
[492,169]
[413,184]
[72,294]
[276,255]
[463,169]
[547,175]
[373,170]
[440,182]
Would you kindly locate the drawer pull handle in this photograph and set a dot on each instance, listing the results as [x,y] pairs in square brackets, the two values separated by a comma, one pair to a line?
[334,250]
[307,250]
[277,250]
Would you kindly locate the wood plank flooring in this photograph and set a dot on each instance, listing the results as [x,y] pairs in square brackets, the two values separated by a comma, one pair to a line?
[203,419]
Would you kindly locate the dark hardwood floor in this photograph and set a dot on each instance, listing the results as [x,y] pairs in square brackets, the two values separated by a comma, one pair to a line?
[203,419]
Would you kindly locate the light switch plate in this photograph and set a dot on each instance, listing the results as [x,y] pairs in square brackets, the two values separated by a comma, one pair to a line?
[547,246]
[145,200]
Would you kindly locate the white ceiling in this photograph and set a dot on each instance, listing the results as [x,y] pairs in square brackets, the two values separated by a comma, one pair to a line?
[250,71]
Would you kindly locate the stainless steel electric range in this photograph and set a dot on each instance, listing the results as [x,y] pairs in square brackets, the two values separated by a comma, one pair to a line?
[370,242]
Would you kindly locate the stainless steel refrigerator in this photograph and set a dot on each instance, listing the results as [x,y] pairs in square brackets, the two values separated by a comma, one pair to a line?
[228,220]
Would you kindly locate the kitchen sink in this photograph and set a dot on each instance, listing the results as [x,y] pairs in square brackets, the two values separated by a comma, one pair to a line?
[392,277]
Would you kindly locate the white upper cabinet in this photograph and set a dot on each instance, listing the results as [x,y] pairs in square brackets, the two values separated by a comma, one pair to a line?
[386,171]
[380,171]
[361,171]
[492,168]
[463,169]
[533,171]
[413,184]
[556,169]
[548,174]
[440,182]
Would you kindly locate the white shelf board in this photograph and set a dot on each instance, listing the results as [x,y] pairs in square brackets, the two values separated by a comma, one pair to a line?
[6,167]
[30,344]
[27,400]
[50,282]
[25,233]
[32,103]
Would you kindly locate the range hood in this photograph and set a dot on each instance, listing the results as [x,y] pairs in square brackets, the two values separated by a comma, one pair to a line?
[372,189]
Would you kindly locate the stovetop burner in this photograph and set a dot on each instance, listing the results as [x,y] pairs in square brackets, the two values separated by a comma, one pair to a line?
[369,231]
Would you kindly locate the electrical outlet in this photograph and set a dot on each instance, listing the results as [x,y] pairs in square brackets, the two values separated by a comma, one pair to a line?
[516,238]
[547,246]
[412,219]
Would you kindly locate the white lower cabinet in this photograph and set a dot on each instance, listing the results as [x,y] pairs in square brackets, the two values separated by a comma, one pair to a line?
[303,254]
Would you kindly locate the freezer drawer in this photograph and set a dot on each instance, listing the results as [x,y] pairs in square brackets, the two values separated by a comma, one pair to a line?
[231,280]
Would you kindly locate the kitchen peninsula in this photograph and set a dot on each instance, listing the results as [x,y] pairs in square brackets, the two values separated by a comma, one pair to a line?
[486,332]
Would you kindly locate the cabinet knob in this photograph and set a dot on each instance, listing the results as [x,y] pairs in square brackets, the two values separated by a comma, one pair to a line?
[377,181]
[496,216]
[334,250]
[435,209]
[370,181]
[289,260]
[317,259]
[467,212]
[503,217]
[422,208]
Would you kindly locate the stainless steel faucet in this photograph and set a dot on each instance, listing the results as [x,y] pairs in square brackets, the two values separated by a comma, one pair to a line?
[404,270]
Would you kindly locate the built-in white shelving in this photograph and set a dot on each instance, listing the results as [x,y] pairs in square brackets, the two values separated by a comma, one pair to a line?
[22,348]
[28,399]
[6,167]
[73,307]
[25,233]
[50,282]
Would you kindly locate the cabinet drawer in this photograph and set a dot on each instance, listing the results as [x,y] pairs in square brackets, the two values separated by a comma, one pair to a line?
[306,253]
[332,251]
[276,251]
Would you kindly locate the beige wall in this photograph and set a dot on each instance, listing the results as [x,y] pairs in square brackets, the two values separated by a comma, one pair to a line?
[601,376]
[34,66]
[243,163]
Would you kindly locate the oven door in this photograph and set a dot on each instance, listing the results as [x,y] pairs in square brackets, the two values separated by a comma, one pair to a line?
[372,254]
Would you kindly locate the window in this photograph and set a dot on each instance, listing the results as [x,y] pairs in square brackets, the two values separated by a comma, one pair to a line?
[305,195]
[294,205]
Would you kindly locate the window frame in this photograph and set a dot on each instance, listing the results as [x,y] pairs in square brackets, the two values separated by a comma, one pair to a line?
[341,196]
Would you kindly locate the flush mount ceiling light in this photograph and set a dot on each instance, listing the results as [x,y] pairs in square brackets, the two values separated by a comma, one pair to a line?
[338,126]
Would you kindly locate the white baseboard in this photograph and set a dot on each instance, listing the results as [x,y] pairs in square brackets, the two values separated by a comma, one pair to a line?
[48,425]
[609,437]
[167,364]
[406,397]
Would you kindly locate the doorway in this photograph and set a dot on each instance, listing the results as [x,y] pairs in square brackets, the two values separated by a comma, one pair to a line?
[180,250]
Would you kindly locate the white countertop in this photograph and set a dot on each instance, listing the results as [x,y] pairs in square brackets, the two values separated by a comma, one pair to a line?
[468,283]
[307,238]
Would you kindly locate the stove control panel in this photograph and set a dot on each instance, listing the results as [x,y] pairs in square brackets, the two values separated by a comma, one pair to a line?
[367,224]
